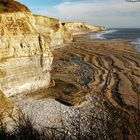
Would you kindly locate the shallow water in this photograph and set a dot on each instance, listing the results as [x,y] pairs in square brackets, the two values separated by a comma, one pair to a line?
[130,34]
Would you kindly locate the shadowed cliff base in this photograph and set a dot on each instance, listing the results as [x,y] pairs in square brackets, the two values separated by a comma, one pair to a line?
[12,6]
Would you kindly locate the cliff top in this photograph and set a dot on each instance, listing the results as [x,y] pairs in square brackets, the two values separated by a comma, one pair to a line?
[12,6]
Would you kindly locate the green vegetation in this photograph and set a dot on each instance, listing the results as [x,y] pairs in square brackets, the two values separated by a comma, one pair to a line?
[4,102]
[2,7]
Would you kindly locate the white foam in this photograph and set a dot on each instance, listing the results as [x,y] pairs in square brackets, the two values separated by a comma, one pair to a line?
[137,44]
[100,35]
[137,41]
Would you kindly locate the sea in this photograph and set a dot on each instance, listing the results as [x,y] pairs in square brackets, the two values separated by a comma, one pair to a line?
[128,34]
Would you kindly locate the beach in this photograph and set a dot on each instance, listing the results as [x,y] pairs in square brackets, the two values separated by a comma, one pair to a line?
[87,66]
[70,70]
[88,75]
[112,68]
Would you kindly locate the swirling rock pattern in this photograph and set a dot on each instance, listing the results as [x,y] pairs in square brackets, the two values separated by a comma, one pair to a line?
[111,68]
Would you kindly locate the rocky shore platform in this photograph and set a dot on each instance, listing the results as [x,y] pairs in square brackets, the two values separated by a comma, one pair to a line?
[85,68]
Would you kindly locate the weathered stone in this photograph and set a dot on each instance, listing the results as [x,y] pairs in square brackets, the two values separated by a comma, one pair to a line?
[25,58]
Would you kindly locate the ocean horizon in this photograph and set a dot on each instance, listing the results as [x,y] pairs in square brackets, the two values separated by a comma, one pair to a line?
[128,34]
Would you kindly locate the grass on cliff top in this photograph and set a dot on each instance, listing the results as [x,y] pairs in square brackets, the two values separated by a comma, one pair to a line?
[2,7]
[4,102]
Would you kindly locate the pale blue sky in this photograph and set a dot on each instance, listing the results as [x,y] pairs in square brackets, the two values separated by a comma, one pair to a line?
[110,13]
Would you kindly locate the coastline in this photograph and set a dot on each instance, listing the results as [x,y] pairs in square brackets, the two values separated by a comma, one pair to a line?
[68,80]
[100,36]
[91,65]
[83,69]
[86,36]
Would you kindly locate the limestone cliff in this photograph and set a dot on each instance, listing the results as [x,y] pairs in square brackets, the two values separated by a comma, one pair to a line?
[81,27]
[25,41]
[51,28]
[25,58]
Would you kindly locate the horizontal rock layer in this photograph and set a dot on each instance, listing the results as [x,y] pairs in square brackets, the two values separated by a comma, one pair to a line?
[25,74]
[25,58]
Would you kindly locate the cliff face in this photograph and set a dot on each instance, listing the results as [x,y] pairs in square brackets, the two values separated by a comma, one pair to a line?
[25,58]
[52,29]
[79,27]
[25,41]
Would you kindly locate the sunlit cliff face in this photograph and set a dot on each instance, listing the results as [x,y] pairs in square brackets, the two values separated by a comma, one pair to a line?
[25,58]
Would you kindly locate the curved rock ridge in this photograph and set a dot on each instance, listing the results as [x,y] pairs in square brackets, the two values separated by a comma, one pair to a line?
[12,6]
[25,57]
[81,27]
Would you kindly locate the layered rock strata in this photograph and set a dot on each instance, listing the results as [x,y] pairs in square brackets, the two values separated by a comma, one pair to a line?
[25,58]
[25,42]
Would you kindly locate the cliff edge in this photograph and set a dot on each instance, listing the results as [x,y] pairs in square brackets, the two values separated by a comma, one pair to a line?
[53,29]
[12,6]
[26,39]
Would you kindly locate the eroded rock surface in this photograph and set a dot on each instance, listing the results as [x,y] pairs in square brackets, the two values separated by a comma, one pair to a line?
[26,39]
[25,58]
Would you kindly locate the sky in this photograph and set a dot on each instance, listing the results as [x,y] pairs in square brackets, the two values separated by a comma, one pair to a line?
[109,13]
